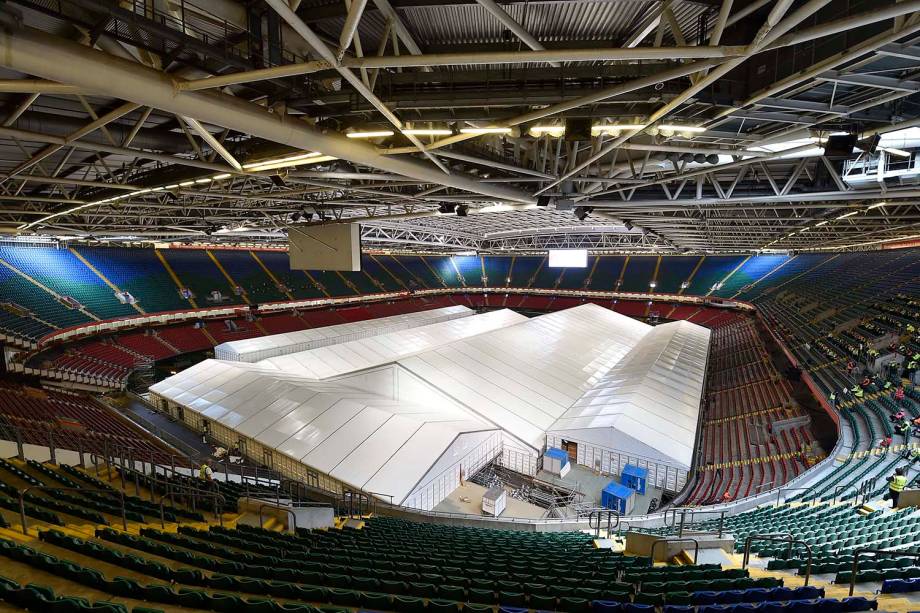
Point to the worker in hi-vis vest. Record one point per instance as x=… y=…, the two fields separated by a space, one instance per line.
x=896 y=485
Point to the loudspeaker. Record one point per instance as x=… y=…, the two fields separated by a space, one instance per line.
x=542 y=200
x=840 y=146
x=577 y=128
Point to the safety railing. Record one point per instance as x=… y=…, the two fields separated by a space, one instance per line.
x=219 y=502
x=693 y=512
x=269 y=505
x=696 y=547
x=784 y=537
x=859 y=552
x=22 y=501
x=599 y=514
x=779 y=492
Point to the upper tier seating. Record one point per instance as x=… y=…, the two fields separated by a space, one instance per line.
x=262 y=276
x=200 y=274
x=63 y=272
x=246 y=272
x=712 y=270
x=139 y=272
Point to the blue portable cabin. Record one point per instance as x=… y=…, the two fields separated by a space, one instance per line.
x=634 y=477
x=618 y=498
x=555 y=461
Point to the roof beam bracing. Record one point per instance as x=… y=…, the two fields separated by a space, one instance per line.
x=32 y=52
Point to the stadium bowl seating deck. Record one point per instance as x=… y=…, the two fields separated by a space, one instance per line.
x=383 y=564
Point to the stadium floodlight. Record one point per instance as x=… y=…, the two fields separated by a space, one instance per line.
x=877 y=205
x=286 y=162
x=369 y=133
x=614 y=129
x=821 y=223
x=551 y=131
x=486 y=130
x=850 y=214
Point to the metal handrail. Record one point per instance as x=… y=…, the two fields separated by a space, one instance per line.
x=780 y=491
x=693 y=512
x=219 y=501
x=22 y=501
x=610 y=513
x=858 y=552
x=277 y=506
x=781 y=537
x=696 y=547
x=837 y=490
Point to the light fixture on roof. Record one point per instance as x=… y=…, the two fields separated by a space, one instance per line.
x=369 y=133
x=821 y=223
x=553 y=131
x=653 y=284
x=877 y=205
x=898 y=152
x=220 y=177
x=582 y=212
x=614 y=129
x=850 y=214
x=486 y=130
x=288 y=161
x=670 y=129
x=411 y=130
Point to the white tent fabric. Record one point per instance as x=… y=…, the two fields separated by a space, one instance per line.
x=365 y=440
x=523 y=377
x=404 y=412
x=264 y=347
x=343 y=358
x=649 y=403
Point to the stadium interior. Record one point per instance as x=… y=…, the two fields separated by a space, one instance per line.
x=460 y=306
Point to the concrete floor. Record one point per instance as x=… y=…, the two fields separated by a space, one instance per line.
x=473 y=492
x=584 y=480
x=165 y=425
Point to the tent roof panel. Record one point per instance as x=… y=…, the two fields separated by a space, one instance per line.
x=261 y=347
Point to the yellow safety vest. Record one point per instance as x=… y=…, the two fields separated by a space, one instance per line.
x=898 y=483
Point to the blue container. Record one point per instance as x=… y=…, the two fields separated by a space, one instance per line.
x=618 y=498
x=634 y=477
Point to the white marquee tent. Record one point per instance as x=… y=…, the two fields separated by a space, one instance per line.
x=333 y=434
x=524 y=377
x=263 y=347
x=646 y=407
x=343 y=358
x=399 y=413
